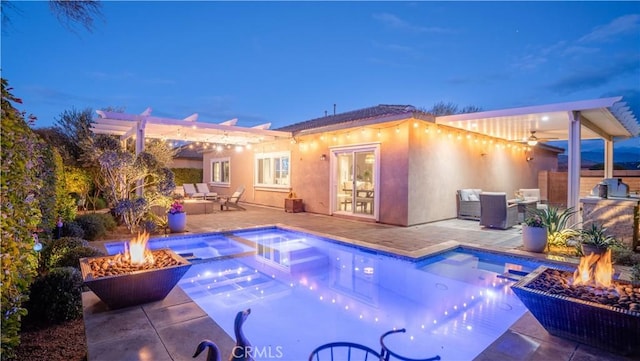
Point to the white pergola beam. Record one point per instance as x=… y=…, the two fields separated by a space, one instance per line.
x=192 y=118
x=125 y=125
x=594 y=128
x=230 y=122
x=129 y=133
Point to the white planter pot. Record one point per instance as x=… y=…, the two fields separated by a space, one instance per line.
x=534 y=239
x=177 y=221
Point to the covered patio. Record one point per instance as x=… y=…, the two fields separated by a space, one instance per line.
x=609 y=119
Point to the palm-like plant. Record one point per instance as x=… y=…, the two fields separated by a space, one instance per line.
x=557 y=223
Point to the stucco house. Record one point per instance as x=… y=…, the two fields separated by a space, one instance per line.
x=387 y=163
x=392 y=164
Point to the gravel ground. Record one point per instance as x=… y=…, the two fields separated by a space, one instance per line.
x=63 y=342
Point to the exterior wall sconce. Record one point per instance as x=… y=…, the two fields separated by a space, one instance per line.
x=529 y=159
x=323 y=157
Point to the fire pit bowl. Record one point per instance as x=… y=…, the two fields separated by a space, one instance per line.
x=134 y=287
x=614 y=329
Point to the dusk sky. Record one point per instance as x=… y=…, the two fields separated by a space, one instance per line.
x=285 y=62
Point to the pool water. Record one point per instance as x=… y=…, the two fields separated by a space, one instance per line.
x=199 y=247
x=305 y=291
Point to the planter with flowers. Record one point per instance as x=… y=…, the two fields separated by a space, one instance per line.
x=534 y=234
x=177 y=217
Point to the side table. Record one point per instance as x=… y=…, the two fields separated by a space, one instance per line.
x=293 y=205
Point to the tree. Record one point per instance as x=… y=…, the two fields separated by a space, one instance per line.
x=75 y=127
x=161 y=150
x=442 y=108
x=55 y=138
x=69 y=12
x=73 y=12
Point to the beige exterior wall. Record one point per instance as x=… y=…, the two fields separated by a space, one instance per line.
x=186 y=163
x=443 y=162
x=419 y=171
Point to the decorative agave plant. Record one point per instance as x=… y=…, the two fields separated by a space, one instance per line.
x=596 y=236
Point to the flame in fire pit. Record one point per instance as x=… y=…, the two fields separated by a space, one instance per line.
x=599 y=275
x=137 y=251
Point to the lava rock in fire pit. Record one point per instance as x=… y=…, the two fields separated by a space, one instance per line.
x=618 y=295
x=121 y=264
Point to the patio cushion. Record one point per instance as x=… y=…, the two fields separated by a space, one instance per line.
x=466 y=194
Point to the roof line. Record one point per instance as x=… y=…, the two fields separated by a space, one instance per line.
x=547 y=108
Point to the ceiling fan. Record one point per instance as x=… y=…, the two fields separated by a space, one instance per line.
x=533 y=140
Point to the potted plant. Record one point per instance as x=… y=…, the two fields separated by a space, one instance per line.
x=595 y=240
x=534 y=234
x=177 y=217
x=556 y=223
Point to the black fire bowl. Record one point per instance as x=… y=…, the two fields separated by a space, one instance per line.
x=613 y=329
x=137 y=287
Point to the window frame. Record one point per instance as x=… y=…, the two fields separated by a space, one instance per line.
x=272 y=156
x=221 y=160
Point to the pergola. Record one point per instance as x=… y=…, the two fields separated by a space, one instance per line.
x=609 y=119
x=144 y=125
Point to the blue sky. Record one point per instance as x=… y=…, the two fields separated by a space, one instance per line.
x=285 y=62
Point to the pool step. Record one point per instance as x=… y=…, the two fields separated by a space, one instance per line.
x=513 y=275
x=189 y=256
x=308 y=263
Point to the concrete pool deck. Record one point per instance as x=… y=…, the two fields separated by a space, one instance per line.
x=170 y=329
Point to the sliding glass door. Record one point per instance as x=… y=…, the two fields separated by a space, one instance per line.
x=354 y=186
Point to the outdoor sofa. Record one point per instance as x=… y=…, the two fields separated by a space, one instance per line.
x=469 y=203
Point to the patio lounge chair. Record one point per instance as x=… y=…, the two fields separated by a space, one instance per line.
x=495 y=212
x=204 y=189
x=191 y=192
x=231 y=201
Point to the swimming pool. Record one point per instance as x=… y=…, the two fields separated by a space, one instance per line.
x=305 y=291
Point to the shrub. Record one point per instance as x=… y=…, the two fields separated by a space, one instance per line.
x=19 y=206
x=72 y=257
x=149 y=226
x=93 y=226
x=187 y=175
x=56 y=296
x=624 y=256
x=72 y=229
x=98 y=203
x=635 y=273
x=108 y=221
x=57 y=249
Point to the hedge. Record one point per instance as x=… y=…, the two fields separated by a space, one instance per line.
x=19 y=187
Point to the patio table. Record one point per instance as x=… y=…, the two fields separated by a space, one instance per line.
x=523 y=206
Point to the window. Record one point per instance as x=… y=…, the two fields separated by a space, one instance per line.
x=220 y=171
x=272 y=169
